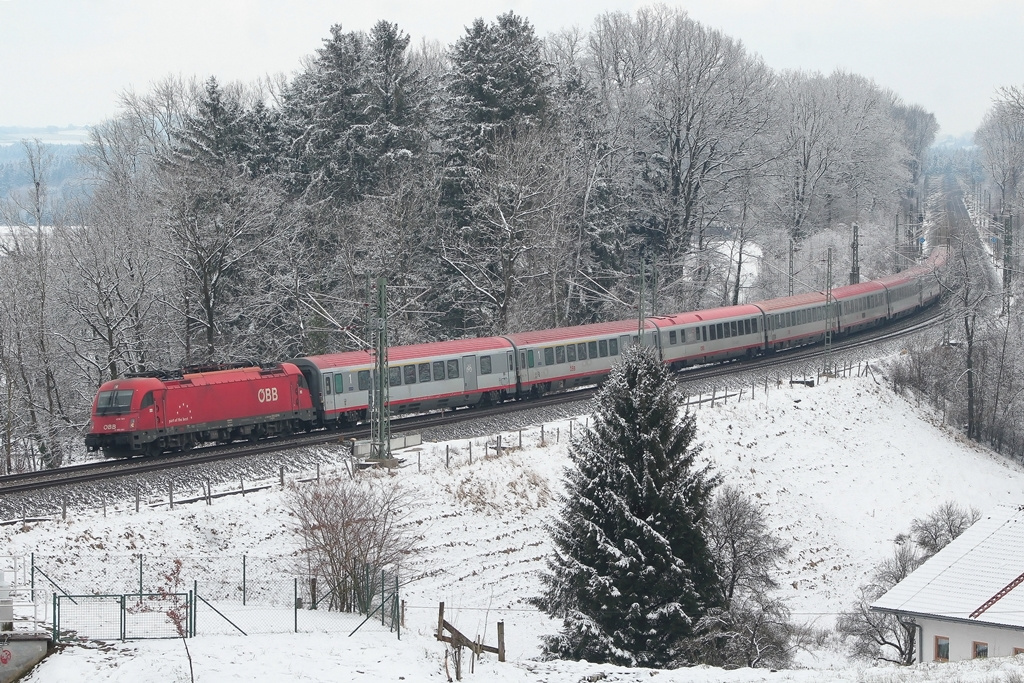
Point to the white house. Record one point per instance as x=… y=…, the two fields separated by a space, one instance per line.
x=968 y=600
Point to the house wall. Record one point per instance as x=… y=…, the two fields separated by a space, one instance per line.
x=1001 y=641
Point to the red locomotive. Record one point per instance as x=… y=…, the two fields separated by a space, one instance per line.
x=150 y=414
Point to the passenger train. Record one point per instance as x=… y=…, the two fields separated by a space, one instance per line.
x=152 y=414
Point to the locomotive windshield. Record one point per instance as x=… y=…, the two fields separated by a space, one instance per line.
x=114 y=402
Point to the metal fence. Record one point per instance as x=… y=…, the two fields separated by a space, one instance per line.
x=122 y=617
x=116 y=597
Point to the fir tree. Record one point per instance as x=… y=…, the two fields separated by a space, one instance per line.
x=632 y=573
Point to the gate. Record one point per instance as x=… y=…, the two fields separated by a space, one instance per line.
x=122 y=617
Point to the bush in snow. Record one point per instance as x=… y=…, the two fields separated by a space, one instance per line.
x=632 y=572
x=350 y=530
x=752 y=627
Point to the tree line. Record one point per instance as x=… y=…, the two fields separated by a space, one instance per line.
x=974 y=377
x=502 y=183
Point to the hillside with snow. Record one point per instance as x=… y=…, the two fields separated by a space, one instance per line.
x=841 y=469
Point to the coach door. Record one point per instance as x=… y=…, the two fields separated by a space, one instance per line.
x=327 y=391
x=469 y=372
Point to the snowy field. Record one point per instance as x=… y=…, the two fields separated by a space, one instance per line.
x=841 y=468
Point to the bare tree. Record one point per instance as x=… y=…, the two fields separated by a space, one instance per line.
x=351 y=531
x=885 y=636
x=934 y=532
x=753 y=627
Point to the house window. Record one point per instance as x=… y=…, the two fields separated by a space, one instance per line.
x=941 y=649
x=980 y=650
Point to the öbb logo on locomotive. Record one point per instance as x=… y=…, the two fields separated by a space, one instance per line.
x=268 y=395
x=174 y=411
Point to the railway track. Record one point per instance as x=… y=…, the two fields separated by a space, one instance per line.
x=93 y=472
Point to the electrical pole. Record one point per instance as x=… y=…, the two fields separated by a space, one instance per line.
x=829 y=305
x=640 y=311
x=1007 y=260
x=791 y=266
x=380 y=405
x=896 y=246
x=855 y=267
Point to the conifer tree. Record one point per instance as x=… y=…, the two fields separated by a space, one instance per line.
x=632 y=573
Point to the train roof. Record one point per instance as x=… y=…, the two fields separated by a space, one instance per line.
x=897 y=279
x=720 y=313
x=785 y=303
x=199 y=378
x=562 y=334
x=847 y=291
x=400 y=354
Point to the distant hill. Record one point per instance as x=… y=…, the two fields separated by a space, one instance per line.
x=51 y=135
x=66 y=174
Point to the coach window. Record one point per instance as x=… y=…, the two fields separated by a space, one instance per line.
x=395 y=377
x=719 y=331
x=559 y=354
x=327 y=384
x=581 y=350
x=438 y=366
x=753 y=325
x=424 y=372
x=529 y=357
x=941 y=649
x=746 y=326
x=613 y=347
x=732 y=327
x=339 y=383
x=602 y=347
x=592 y=349
x=485 y=365
x=712 y=336
x=672 y=337
x=363 y=380
x=453 y=369
x=570 y=353
x=979 y=649
x=410 y=374
x=549 y=356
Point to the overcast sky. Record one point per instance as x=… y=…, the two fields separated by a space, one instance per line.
x=64 y=62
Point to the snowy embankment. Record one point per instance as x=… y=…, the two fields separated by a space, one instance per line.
x=841 y=469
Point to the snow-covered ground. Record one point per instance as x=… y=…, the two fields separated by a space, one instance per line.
x=841 y=469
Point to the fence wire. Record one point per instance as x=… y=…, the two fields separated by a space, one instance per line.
x=111 y=596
